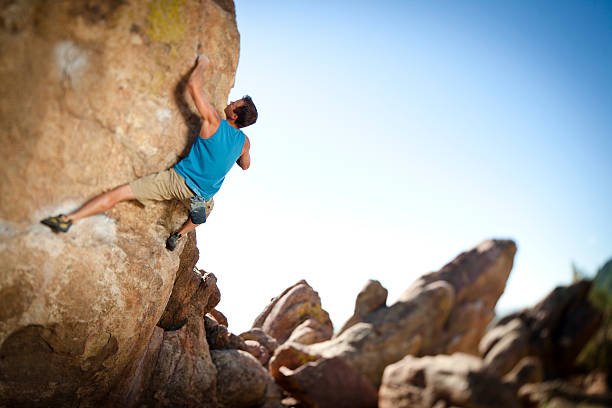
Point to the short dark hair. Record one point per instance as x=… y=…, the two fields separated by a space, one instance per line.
x=247 y=113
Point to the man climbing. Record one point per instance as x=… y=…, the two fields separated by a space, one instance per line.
x=197 y=177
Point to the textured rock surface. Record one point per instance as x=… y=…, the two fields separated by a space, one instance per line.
x=92 y=98
x=420 y=322
x=298 y=309
x=328 y=383
x=443 y=381
x=176 y=370
x=554 y=331
x=195 y=293
x=242 y=382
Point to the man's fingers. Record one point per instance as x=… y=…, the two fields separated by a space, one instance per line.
x=202 y=59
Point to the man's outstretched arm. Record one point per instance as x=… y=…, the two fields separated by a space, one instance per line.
x=210 y=117
x=244 y=161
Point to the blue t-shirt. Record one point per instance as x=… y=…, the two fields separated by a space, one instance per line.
x=209 y=160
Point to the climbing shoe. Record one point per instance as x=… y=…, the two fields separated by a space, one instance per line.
x=58 y=224
x=172 y=241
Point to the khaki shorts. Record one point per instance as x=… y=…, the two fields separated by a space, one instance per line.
x=162 y=186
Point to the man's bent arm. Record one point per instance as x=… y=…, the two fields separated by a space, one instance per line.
x=244 y=161
x=195 y=85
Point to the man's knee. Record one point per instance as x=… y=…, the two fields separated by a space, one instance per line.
x=121 y=193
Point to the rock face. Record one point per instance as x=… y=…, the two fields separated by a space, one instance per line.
x=93 y=97
x=554 y=331
x=442 y=312
x=176 y=370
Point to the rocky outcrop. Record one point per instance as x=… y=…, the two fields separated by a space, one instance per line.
x=296 y=315
x=194 y=292
x=554 y=331
x=422 y=322
x=93 y=97
x=372 y=297
x=176 y=370
x=458 y=380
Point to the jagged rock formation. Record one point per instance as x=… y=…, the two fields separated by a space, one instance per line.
x=520 y=352
x=458 y=380
x=194 y=293
x=296 y=315
x=442 y=312
x=554 y=331
x=372 y=297
x=93 y=97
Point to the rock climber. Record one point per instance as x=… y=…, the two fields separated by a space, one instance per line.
x=197 y=177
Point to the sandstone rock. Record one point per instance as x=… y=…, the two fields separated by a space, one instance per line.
x=296 y=305
x=194 y=292
x=372 y=297
x=176 y=370
x=555 y=331
x=456 y=380
x=328 y=383
x=478 y=278
x=421 y=322
x=219 y=338
x=242 y=382
x=309 y=331
x=92 y=97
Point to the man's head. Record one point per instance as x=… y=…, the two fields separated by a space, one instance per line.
x=243 y=112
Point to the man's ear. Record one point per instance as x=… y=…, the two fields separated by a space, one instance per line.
x=233 y=116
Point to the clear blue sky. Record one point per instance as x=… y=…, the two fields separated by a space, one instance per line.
x=394 y=135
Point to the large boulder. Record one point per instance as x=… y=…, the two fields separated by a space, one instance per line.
x=323 y=383
x=297 y=315
x=92 y=97
x=422 y=322
x=555 y=331
x=242 y=382
x=458 y=380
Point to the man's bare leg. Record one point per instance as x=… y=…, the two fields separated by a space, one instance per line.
x=97 y=205
x=103 y=202
x=187 y=227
